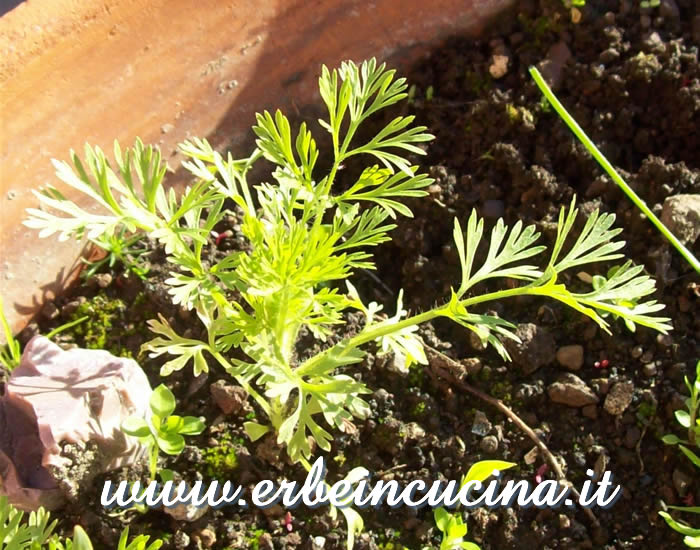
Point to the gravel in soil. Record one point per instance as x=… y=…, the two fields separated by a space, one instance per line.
x=631 y=78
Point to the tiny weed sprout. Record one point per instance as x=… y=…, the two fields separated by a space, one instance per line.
x=119 y=248
x=10 y=353
x=451 y=524
x=304 y=241
x=689 y=420
x=163 y=431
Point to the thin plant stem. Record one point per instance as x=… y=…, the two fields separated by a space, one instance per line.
x=610 y=169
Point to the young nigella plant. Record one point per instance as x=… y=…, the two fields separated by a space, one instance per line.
x=305 y=239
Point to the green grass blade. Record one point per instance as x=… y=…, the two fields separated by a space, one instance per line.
x=616 y=177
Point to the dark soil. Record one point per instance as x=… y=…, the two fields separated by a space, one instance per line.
x=633 y=82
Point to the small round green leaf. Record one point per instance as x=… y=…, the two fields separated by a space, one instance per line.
x=192 y=425
x=683 y=418
x=171 y=444
x=162 y=401
x=172 y=424
x=136 y=426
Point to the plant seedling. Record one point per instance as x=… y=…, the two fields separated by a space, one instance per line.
x=305 y=240
x=451 y=524
x=689 y=420
x=119 y=248
x=11 y=353
x=163 y=431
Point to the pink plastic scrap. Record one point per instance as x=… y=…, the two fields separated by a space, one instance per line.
x=56 y=397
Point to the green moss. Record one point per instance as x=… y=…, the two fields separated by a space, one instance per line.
x=340 y=459
x=220 y=460
x=419 y=409
x=502 y=391
x=102 y=313
x=539 y=28
x=416 y=375
x=254 y=539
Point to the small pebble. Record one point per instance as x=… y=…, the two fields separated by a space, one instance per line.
x=590 y=331
x=180 y=540
x=572 y=391
x=664 y=340
x=681 y=214
x=207 y=537
x=71 y=307
x=619 y=398
x=49 y=311
x=229 y=398
x=681 y=482
x=609 y=55
x=481 y=424
x=649 y=370
x=103 y=280
x=489 y=444
x=570 y=357
x=265 y=542
x=499 y=65
x=636 y=352
x=473 y=365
